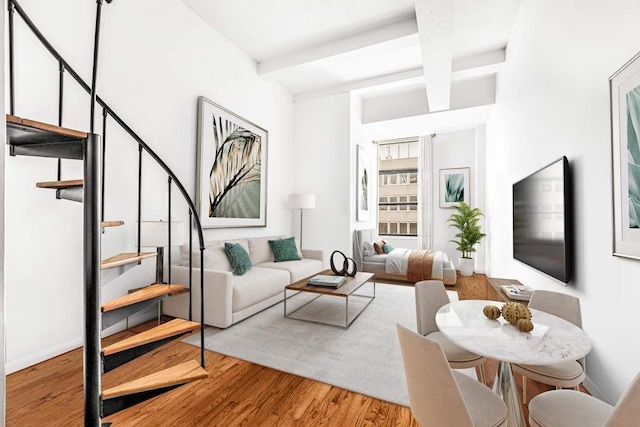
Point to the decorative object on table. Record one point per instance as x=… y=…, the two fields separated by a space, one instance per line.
x=302 y=202
x=624 y=88
x=514 y=311
x=327 y=281
x=161 y=234
x=232 y=169
x=363 y=193
x=348 y=265
x=454 y=187
x=491 y=311
x=466 y=220
x=525 y=325
x=517 y=291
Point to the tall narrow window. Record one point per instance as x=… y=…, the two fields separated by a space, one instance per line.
x=398 y=187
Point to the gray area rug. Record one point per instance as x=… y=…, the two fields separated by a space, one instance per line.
x=364 y=358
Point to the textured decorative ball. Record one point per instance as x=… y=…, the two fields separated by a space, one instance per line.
x=514 y=311
x=525 y=325
x=491 y=311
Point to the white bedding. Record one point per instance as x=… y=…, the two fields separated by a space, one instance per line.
x=398 y=261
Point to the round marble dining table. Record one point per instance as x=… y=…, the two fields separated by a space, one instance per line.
x=552 y=340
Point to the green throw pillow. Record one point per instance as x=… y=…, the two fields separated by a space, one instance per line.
x=387 y=248
x=284 y=250
x=238 y=257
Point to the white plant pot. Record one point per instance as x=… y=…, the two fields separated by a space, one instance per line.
x=466 y=266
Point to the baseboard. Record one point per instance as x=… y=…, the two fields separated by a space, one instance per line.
x=595 y=391
x=41 y=356
x=51 y=352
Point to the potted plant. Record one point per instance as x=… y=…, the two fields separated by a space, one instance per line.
x=466 y=219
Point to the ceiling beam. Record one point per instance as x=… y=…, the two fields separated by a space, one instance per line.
x=435 y=31
x=400 y=32
x=480 y=65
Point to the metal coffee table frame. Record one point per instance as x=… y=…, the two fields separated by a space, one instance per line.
x=328 y=292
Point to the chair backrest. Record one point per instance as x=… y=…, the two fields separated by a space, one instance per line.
x=430 y=296
x=562 y=305
x=434 y=396
x=627 y=410
x=565 y=306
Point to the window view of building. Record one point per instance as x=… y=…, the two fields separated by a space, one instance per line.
x=398 y=187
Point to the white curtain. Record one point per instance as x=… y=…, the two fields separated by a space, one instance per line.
x=425 y=188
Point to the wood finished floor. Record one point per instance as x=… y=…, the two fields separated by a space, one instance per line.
x=237 y=393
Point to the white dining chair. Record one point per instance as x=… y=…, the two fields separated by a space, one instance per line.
x=439 y=396
x=561 y=408
x=430 y=296
x=569 y=374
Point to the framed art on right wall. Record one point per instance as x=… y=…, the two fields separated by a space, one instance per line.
x=454 y=187
x=624 y=88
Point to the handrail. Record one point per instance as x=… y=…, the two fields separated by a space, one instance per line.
x=113 y=114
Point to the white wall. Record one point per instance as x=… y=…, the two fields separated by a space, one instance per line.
x=361 y=137
x=155 y=62
x=322 y=155
x=455 y=150
x=553 y=100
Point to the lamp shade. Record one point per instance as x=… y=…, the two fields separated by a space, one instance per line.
x=302 y=201
x=156 y=233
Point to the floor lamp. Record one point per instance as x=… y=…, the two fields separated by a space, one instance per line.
x=302 y=202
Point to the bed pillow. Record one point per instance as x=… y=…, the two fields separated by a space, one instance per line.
x=367 y=249
x=238 y=257
x=284 y=250
x=378 y=246
x=387 y=247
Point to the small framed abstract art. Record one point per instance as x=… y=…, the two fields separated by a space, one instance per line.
x=232 y=169
x=454 y=187
x=363 y=180
x=624 y=88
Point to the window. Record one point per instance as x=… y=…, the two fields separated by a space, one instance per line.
x=398 y=187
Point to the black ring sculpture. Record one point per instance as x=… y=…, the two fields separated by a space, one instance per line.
x=345 y=265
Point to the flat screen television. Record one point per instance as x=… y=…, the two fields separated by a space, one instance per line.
x=542 y=220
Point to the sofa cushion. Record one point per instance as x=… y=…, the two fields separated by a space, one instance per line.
x=238 y=257
x=284 y=250
x=298 y=270
x=257 y=285
x=259 y=249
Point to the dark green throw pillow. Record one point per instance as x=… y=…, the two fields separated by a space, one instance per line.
x=387 y=248
x=284 y=250
x=238 y=257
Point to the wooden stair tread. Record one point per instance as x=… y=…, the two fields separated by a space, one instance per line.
x=111 y=223
x=126 y=258
x=143 y=294
x=180 y=374
x=166 y=330
x=46 y=127
x=57 y=185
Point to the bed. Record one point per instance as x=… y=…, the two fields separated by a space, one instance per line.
x=401 y=264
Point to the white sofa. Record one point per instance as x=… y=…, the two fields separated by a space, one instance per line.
x=229 y=298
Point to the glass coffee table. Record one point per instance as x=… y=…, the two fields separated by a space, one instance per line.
x=345 y=291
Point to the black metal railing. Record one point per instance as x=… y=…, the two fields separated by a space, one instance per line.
x=91 y=221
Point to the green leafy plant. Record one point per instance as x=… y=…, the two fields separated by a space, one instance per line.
x=466 y=219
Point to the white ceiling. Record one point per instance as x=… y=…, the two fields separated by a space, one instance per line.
x=318 y=47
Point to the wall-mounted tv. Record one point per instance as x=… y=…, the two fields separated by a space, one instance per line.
x=542 y=220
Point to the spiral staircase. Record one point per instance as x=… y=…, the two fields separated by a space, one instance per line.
x=27 y=137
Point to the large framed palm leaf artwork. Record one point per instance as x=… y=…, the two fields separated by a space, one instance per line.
x=232 y=169
x=625 y=146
